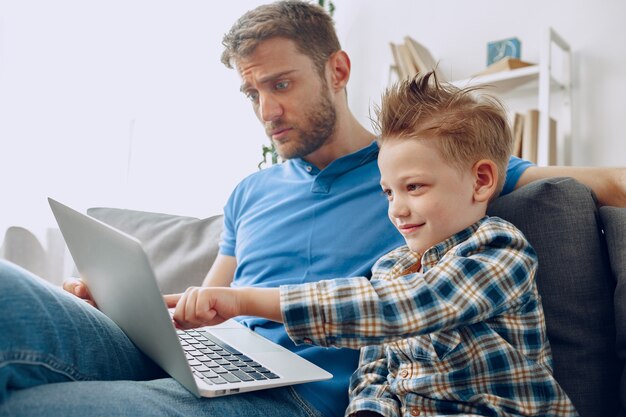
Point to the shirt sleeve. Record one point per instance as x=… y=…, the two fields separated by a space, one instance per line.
x=489 y=273
x=514 y=171
x=369 y=387
x=228 y=237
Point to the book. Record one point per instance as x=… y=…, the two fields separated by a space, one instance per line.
x=505 y=64
x=405 y=57
x=552 y=157
x=518 y=131
x=400 y=64
x=530 y=135
x=421 y=56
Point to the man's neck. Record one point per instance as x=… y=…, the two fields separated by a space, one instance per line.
x=349 y=137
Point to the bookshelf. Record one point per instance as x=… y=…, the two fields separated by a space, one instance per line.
x=541 y=80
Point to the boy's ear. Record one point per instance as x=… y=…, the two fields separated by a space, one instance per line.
x=485 y=174
x=339 y=66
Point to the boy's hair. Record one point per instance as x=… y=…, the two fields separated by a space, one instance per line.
x=465 y=127
x=308 y=25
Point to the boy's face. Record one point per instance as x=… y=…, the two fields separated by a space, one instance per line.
x=429 y=200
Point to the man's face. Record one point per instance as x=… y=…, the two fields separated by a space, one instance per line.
x=288 y=96
x=429 y=200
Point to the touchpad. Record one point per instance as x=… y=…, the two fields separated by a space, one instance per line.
x=245 y=340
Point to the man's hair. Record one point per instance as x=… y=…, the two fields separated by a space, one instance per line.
x=307 y=24
x=466 y=127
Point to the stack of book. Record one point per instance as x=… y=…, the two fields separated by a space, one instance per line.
x=411 y=58
x=526 y=134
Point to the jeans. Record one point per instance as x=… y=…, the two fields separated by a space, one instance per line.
x=61 y=357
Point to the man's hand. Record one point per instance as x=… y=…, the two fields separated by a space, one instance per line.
x=208 y=306
x=78 y=287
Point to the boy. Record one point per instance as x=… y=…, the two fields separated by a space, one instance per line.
x=452 y=322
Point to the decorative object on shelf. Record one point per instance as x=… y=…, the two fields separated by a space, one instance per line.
x=497 y=50
x=268 y=152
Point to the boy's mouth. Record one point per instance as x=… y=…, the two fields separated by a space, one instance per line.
x=407 y=229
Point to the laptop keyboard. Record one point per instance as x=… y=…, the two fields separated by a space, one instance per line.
x=217 y=363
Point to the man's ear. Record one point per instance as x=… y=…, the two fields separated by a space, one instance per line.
x=485 y=174
x=339 y=69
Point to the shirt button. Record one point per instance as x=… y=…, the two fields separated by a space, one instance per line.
x=309 y=168
x=404 y=373
x=415 y=411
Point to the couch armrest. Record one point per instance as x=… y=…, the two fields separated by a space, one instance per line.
x=614 y=222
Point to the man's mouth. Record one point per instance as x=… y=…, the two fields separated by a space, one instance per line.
x=279 y=134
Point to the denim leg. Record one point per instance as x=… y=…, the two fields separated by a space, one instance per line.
x=49 y=336
x=157 y=398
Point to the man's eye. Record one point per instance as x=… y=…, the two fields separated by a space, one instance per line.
x=281 y=85
x=252 y=96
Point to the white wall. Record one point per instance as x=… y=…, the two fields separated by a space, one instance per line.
x=120 y=103
x=124 y=102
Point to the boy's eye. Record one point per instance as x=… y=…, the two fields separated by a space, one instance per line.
x=387 y=193
x=413 y=187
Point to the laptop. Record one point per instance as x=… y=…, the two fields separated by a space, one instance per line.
x=210 y=361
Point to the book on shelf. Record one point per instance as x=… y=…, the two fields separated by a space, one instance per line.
x=525 y=130
x=412 y=58
x=552 y=143
x=505 y=64
x=422 y=58
x=400 y=62
x=530 y=135
x=518 y=129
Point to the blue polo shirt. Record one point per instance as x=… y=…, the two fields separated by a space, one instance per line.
x=293 y=223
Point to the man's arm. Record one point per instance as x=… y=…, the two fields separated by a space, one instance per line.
x=222 y=272
x=608 y=184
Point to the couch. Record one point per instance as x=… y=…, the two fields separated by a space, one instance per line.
x=581 y=276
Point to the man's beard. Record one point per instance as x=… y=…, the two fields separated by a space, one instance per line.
x=319 y=127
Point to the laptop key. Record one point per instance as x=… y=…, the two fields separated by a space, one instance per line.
x=230 y=378
x=201 y=368
x=242 y=375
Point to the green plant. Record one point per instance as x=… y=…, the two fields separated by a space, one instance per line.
x=269 y=151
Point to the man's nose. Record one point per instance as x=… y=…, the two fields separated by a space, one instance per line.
x=270 y=109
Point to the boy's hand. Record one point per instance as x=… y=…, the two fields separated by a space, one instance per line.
x=204 y=306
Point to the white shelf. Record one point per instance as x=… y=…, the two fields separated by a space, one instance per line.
x=502 y=81
x=542 y=78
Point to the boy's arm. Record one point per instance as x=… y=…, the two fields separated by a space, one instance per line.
x=369 y=388
x=487 y=274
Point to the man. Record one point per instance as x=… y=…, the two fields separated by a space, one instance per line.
x=316 y=216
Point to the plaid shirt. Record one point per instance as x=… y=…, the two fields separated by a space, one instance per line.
x=465 y=335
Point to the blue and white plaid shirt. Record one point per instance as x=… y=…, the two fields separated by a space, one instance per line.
x=457 y=331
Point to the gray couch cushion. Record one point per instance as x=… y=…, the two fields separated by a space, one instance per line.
x=560 y=219
x=614 y=221
x=181 y=249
